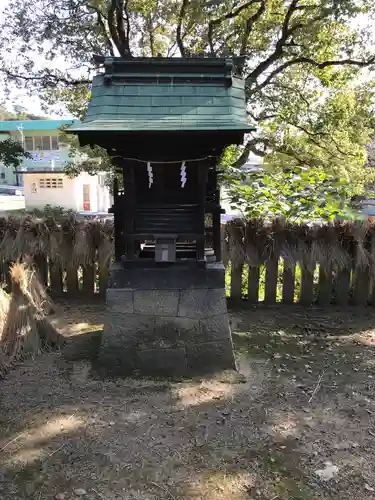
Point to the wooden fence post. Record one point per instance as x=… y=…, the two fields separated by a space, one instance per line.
x=103 y=279
x=253 y=284
x=56 y=278
x=72 y=280
x=325 y=286
x=89 y=279
x=236 y=282
x=361 y=286
x=307 y=286
x=41 y=265
x=289 y=274
x=270 y=287
x=342 y=287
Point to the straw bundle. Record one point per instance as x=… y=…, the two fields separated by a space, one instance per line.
x=63 y=240
x=334 y=246
x=25 y=329
x=105 y=244
x=252 y=245
x=235 y=231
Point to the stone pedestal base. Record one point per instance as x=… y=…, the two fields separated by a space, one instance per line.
x=166 y=321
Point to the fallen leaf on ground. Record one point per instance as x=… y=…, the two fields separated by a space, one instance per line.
x=328 y=472
x=80 y=492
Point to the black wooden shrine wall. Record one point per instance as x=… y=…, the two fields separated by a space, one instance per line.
x=166 y=185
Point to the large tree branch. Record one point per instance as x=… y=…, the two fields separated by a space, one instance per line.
x=320 y=65
x=293 y=7
x=120 y=23
x=124 y=36
x=112 y=10
x=228 y=15
x=151 y=34
x=48 y=80
x=293 y=154
x=273 y=74
x=342 y=62
x=179 y=37
x=251 y=147
x=122 y=7
x=286 y=31
x=262 y=117
x=105 y=33
x=292 y=90
x=312 y=136
x=250 y=24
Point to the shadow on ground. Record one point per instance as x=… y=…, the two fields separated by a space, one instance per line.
x=305 y=397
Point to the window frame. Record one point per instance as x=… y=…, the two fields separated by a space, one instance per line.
x=41 y=139
x=51 y=183
x=28 y=138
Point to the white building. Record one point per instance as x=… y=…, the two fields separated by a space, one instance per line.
x=84 y=193
x=42 y=175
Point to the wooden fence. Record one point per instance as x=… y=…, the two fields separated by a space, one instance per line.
x=72 y=256
x=70 y=281
x=275 y=262
x=333 y=264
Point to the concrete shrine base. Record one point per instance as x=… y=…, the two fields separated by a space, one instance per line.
x=169 y=321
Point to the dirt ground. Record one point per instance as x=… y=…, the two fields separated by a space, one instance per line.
x=297 y=423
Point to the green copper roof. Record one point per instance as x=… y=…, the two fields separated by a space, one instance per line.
x=166 y=95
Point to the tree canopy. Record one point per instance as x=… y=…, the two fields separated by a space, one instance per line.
x=295 y=193
x=12 y=153
x=302 y=61
x=19 y=113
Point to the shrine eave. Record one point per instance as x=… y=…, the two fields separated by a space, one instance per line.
x=164 y=125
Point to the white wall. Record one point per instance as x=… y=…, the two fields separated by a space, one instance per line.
x=70 y=196
x=99 y=195
x=62 y=197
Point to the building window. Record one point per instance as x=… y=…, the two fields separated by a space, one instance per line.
x=46 y=143
x=38 y=143
x=54 y=142
x=41 y=143
x=29 y=145
x=53 y=183
x=2 y=175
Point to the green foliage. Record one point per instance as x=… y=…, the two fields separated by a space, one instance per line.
x=294 y=193
x=88 y=159
x=332 y=136
x=51 y=212
x=20 y=113
x=92 y=160
x=12 y=153
x=301 y=59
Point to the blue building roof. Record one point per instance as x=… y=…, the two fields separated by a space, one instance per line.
x=31 y=125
